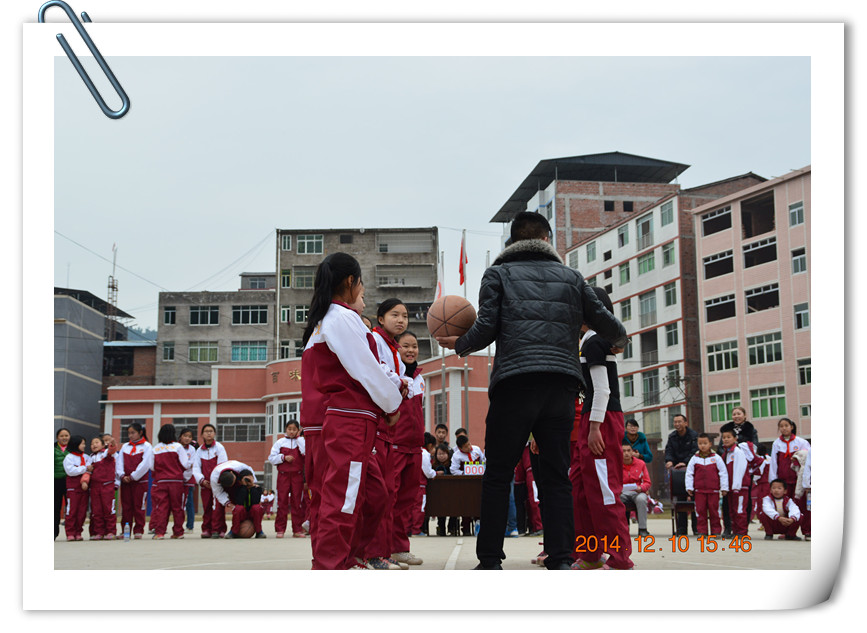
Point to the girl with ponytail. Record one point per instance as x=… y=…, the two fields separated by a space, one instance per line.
x=344 y=393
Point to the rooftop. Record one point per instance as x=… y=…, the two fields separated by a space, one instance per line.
x=89 y=299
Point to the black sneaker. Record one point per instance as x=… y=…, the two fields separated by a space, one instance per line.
x=643 y=533
x=793 y=538
x=261 y=535
x=230 y=534
x=480 y=566
x=769 y=537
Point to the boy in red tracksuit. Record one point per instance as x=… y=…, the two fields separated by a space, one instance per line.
x=707 y=477
x=103 y=482
x=169 y=460
x=208 y=456
x=235 y=487
x=736 y=462
x=132 y=462
x=780 y=514
x=78 y=467
x=524 y=477
x=636 y=483
x=287 y=455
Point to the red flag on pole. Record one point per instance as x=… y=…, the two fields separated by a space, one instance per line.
x=464 y=260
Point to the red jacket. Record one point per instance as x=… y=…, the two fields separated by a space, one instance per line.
x=637 y=473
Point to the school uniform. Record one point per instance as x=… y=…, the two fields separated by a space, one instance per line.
x=419 y=521
x=406 y=440
x=736 y=461
x=459 y=458
x=205 y=459
x=75 y=465
x=761 y=484
x=103 y=483
x=268 y=502
x=597 y=480
x=168 y=462
x=342 y=377
x=290 y=483
x=781 y=461
x=190 y=488
x=773 y=509
x=132 y=461
x=524 y=477
x=706 y=477
x=241 y=512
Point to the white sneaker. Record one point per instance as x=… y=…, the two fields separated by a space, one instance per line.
x=306 y=526
x=513 y=533
x=407 y=557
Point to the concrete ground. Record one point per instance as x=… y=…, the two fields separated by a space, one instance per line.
x=439 y=553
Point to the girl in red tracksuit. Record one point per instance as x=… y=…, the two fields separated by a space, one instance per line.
x=782 y=450
x=407 y=438
x=169 y=460
x=343 y=382
x=103 y=482
x=524 y=477
x=78 y=467
x=737 y=463
x=706 y=478
x=287 y=455
x=132 y=462
x=208 y=455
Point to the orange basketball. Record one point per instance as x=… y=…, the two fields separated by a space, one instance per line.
x=246 y=530
x=450 y=315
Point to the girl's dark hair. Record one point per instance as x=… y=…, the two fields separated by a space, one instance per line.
x=387 y=305
x=293 y=423
x=209 y=425
x=187 y=429
x=56 y=435
x=166 y=434
x=603 y=297
x=404 y=333
x=75 y=442
x=139 y=428
x=429 y=439
x=794 y=426
x=331 y=272
x=443 y=447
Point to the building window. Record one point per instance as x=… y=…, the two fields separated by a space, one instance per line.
x=757 y=215
x=716 y=221
x=722 y=356
x=628 y=387
x=718 y=264
x=760 y=252
x=804 y=371
x=668 y=254
x=670 y=291
x=805 y=410
x=249 y=351
x=285 y=311
x=624 y=273
x=627 y=206
x=241 y=429
x=591 y=281
x=671 y=334
x=672 y=376
x=608 y=205
x=763 y=298
x=247 y=315
x=796 y=213
x=285 y=278
x=609 y=288
x=647 y=308
x=204 y=315
x=591 y=252
x=799 y=261
x=719 y=308
x=572 y=259
x=606 y=256
x=802 y=316
x=286 y=242
x=405 y=242
x=286 y=348
x=406 y=275
x=169 y=315
x=258 y=283
x=650 y=387
x=286 y=411
x=666 y=213
x=309 y=245
x=269 y=418
x=768 y=402
x=198 y=383
x=304 y=276
x=645 y=231
x=168 y=351
x=627 y=351
x=722 y=405
x=645 y=263
x=607 y=274
x=301 y=314
x=203 y=352
x=765 y=348
x=626 y=310
x=346 y=238
x=623 y=235
x=440 y=409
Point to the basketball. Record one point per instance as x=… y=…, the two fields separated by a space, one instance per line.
x=450 y=315
x=246 y=530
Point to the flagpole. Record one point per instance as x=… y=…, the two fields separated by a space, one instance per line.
x=443 y=401
x=464 y=258
x=488 y=265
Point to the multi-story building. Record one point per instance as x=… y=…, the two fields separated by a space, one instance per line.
x=646 y=264
x=753 y=254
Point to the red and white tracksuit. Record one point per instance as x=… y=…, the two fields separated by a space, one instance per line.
x=103 y=483
x=761 y=484
x=75 y=465
x=426 y=472
x=290 y=483
x=706 y=477
x=189 y=479
x=773 y=509
x=133 y=461
x=459 y=458
x=205 y=460
x=407 y=438
x=168 y=462
x=781 y=468
x=524 y=475
x=221 y=496
x=739 y=483
x=268 y=502
x=343 y=379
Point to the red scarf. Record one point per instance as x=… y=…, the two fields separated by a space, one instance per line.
x=81 y=455
x=392 y=344
x=136 y=443
x=789 y=452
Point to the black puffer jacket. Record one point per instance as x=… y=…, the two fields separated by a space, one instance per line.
x=533 y=306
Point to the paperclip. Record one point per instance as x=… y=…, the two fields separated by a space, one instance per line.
x=112 y=114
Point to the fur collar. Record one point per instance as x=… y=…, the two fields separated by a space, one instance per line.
x=524 y=250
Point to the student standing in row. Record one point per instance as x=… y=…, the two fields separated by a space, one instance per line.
x=103 y=483
x=186 y=441
x=168 y=461
x=61 y=442
x=736 y=461
x=77 y=465
x=706 y=479
x=133 y=461
x=208 y=456
x=287 y=455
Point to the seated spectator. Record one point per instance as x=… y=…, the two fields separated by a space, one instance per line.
x=780 y=514
x=466 y=452
x=638 y=442
x=442 y=464
x=636 y=484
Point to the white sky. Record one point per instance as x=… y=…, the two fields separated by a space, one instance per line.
x=216 y=153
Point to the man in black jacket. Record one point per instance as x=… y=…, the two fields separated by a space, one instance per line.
x=533 y=307
x=682 y=444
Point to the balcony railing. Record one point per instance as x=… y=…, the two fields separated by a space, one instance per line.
x=645 y=241
x=647 y=318
x=649 y=358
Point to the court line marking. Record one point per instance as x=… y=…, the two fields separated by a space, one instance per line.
x=453 y=558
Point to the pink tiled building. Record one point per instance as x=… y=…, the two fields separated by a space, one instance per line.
x=753 y=268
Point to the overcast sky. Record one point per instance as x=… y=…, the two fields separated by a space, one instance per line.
x=216 y=153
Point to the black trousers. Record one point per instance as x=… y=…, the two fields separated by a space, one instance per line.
x=542 y=404
x=59 y=494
